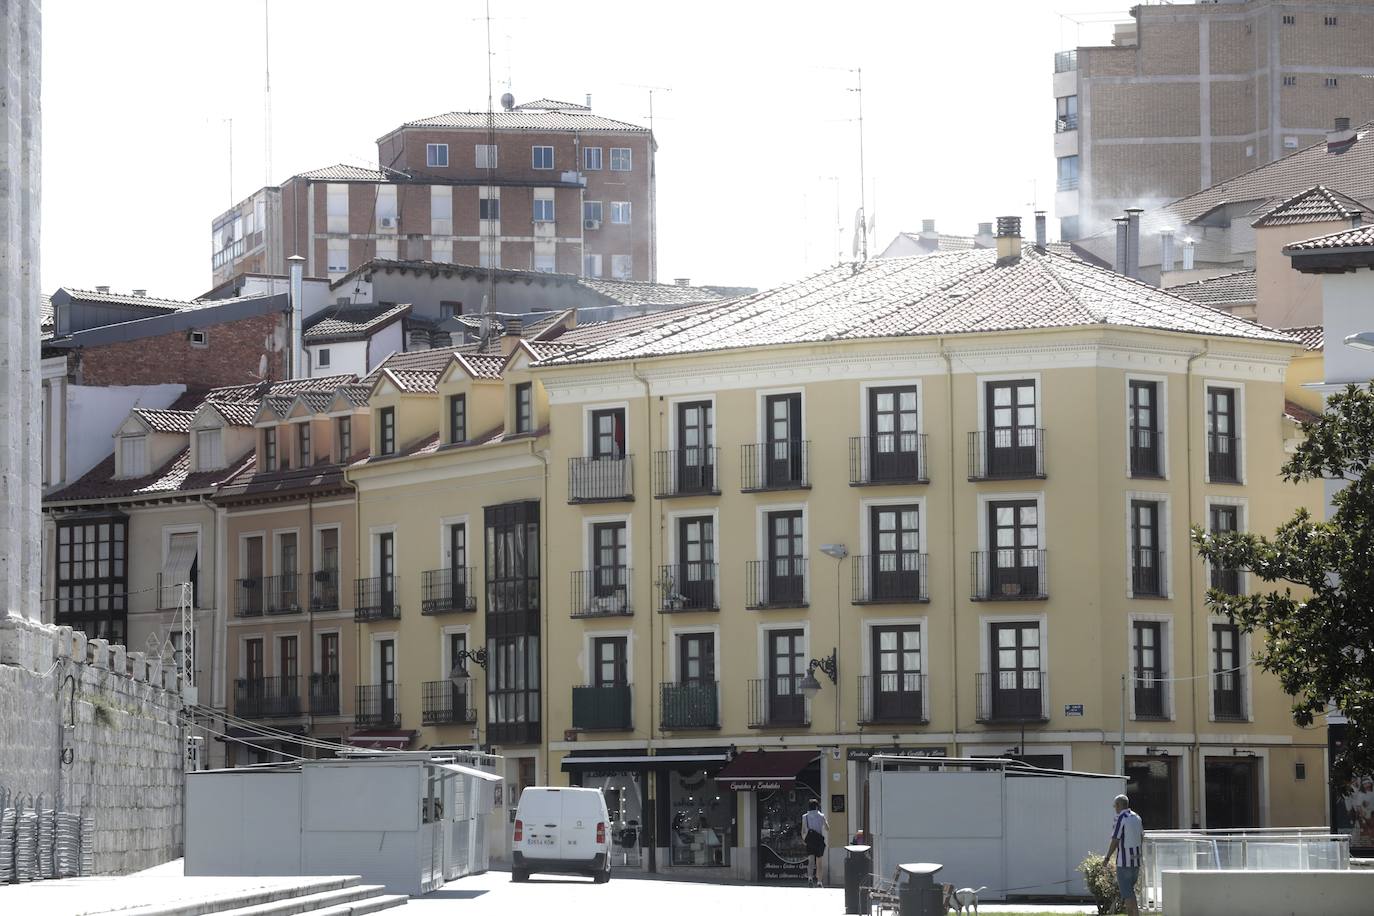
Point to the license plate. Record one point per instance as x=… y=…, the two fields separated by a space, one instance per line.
x=540 y=841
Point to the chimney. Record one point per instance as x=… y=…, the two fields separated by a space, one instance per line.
x=1119 y=262
x=1008 y=239
x=1040 y=229
x=442 y=340
x=1341 y=137
x=984 y=237
x=1133 y=242
x=103 y=290
x=418 y=339
x=140 y=293
x=1166 y=251
x=589 y=100
x=1187 y=253
x=683 y=281
x=510 y=337
x=927 y=227
x=297 y=270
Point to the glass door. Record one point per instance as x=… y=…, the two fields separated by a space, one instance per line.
x=696 y=562
x=386 y=671
x=893 y=453
x=458 y=564
x=1016 y=675
x=1015 y=555
x=1011 y=428
x=783 y=449
x=608 y=562
x=895 y=533
x=786 y=667
x=696 y=472
x=386 y=570
x=897 y=673
x=1144 y=441
x=786 y=562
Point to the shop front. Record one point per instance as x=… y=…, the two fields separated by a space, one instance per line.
x=778 y=787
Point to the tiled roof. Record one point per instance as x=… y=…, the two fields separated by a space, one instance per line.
x=146 y=302
x=291 y=387
x=342 y=172
x=238 y=413
x=165 y=421
x=445 y=267
x=356 y=394
x=352 y=323
x=1313 y=336
x=279 y=404
x=424 y=360
x=1318 y=204
x=960 y=292
x=598 y=332
x=174 y=476
x=416 y=380
x=550 y=105
x=583 y=121
x=1359 y=237
x=483 y=365
x=317 y=401
x=1239 y=286
x=45 y=316
x=642 y=292
x=1299 y=414
x=249 y=484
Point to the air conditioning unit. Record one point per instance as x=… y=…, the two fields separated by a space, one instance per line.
x=591 y=224
x=390 y=222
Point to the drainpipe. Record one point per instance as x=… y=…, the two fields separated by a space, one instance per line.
x=297 y=307
x=1195 y=769
x=309 y=584
x=544 y=627
x=651 y=808
x=953 y=559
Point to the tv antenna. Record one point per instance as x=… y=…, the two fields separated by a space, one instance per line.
x=266 y=93
x=863 y=199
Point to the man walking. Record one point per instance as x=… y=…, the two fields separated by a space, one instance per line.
x=814 y=828
x=1128 y=835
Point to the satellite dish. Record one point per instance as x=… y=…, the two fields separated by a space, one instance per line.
x=507 y=101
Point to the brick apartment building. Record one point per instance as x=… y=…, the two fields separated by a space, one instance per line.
x=543 y=186
x=1189 y=95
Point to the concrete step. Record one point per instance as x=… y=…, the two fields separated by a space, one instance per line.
x=362 y=907
x=230 y=901
x=344 y=900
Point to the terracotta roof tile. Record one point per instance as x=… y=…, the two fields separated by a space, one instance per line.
x=1313 y=336
x=1299 y=414
x=551 y=105
x=352 y=323
x=1359 y=237
x=581 y=121
x=173 y=477
x=238 y=413
x=1317 y=204
x=343 y=172
x=166 y=420
x=642 y=292
x=1239 y=286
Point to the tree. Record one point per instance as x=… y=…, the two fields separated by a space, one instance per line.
x=1320 y=645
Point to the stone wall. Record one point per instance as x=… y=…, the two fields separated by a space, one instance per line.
x=120 y=763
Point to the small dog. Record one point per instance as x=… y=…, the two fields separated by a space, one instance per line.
x=963 y=900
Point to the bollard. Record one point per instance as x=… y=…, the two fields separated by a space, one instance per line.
x=858 y=877
x=919 y=894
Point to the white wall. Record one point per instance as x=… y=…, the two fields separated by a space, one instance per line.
x=94 y=413
x=1348 y=307
x=390 y=339
x=344 y=357
x=1269 y=893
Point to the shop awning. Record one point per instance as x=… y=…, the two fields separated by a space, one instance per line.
x=382 y=740
x=764 y=769
x=469 y=771
x=641 y=761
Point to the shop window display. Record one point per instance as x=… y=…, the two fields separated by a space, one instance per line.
x=624 y=796
x=702 y=819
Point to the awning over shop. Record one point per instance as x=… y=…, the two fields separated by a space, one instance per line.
x=764 y=769
x=469 y=771
x=641 y=761
x=382 y=740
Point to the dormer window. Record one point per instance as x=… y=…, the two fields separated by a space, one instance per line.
x=345 y=438
x=303 y=445
x=209 y=449
x=457 y=418
x=269 y=449
x=386 y=421
x=524 y=408
x=133 y=456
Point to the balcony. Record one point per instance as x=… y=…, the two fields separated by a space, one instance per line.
x=890 y=579
x=1223 y=458
x=1005 y=454
x=1065 y=123
x=687 y=472
x=777 y=702
x=775 y=583
x=1147 y=573
x=1228 y=697
x=1226 y=580
x=1009 y=574
x=447 y=591
x=601 y=708
x=281 y=594
x=688 y=587
x=689 y=705
x=324 y=694
x=895 y=697
x=1013 y=696
x=1146 y=452
x=599 y=480
x=375 y=706
x=782 y=465
x=324 y=591
x=444 y=703
x=376 y=598
x=887 y=458
x=248 y=597
x=503 y=733
x=1151 y=694
x=1064 y=61
x=602 y=592
x=267 y=697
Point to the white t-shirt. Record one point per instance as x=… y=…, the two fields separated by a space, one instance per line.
x=813 y=820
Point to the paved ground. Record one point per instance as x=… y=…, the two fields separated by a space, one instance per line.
x=106 y=894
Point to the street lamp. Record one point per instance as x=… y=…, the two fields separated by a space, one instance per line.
x=1362 y=340
x=459 y=676
x=809 y=686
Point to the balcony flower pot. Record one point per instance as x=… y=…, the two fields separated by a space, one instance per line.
x=1011 y=589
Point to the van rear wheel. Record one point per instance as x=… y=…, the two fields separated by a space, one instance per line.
x=602 y=877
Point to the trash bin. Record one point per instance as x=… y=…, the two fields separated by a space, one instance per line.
x=919 y=894
x=858 y=875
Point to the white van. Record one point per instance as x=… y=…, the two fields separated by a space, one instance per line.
x=561 y=831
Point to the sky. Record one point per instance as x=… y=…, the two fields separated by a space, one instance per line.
x=154 y=115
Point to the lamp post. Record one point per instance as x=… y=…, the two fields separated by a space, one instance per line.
x=459 y=676
x=809 y=686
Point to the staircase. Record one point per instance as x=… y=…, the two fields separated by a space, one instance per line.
x=327 y=896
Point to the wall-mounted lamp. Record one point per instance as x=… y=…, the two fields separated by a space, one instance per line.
x=838 y=551
x=459 y=676
x=809 y=686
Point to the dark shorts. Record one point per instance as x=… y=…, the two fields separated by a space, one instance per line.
x=1125 y=880
x=815 y=843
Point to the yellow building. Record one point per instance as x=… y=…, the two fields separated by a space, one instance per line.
x=933 y=506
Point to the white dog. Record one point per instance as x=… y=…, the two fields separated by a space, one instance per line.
x=963 y=900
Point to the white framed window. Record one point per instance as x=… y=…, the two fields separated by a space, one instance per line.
x=440 y=210
x=591 y=265
x=485 y=156
x=337 y=257
x=209 y=449
x=591 y=158
x=591 y=214
x=322 y=358
x=541 y=157
x=622 y=266
x=545 y=263
x=620 y=212
x=436 y=155
x=620 y=159
x=336 y=208
x=133 y=456
x=441 y=250
x=543 y=210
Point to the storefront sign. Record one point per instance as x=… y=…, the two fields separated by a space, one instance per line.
x=863 y=753
x=1073 y=709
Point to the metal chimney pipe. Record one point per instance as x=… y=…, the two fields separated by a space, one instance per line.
x=1119 y=262
x=1133 y=242
x=1040 y=229
x=1187 y=253
x=1166 y=250
x=297 y=296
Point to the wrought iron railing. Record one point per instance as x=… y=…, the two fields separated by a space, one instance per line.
x=1151 y=694
x=775 y=583
x=445 y=591
x=777 y=702
x=1147 y=573
x=445 y=703
x=1228 y=696
x=375 y=706
x=281 y=594
x=248 y=597
x=1009 y=574
x=324 y=694
x=377 y=598
x=691 y=705
x=1065 y=123
x=606 y=591
x=688 y=587
x=1013 y=696
x=267 y=697
x=781 y=465
x=324 y=590
x=890 y=578
x=1223 y=458
x=893 y=697
x=600 y=479
x=887 y=458
x=1006 y=454
x=686 y=472
x=1226 y=580
x=1146 y=452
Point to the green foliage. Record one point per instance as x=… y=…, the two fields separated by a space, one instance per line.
x=1100 y=876
x=1321 y=647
